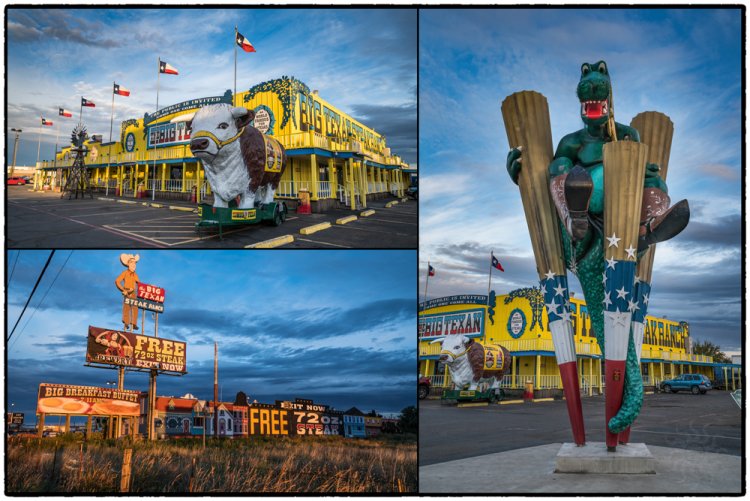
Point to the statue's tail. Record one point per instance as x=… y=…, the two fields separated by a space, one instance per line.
x=632 y=396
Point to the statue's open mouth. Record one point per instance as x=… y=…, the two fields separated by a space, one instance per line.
x=594 y=109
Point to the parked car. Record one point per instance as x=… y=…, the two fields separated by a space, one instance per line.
x=412 y=192
x=694 y=383
x=16 y=180
x=424 y=387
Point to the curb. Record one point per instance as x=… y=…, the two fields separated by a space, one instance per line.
x=368 y=212
x=473 y=404
x=504 y=402
x=309 y=230
x=106 y=199
x=183 y=209
x=391 y=204
x=346 y=219
x=543 y=400
x=271 y=243
x=127 y=202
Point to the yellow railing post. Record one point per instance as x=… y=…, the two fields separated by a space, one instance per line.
x=184 y=168
x=314 y=177
x=538 y=372
x=363 y=184
x=350 y=179
x=513 y=371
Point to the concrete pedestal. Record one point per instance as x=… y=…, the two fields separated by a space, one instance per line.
x=594 y=458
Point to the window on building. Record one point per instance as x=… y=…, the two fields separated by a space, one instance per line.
x=198 y=422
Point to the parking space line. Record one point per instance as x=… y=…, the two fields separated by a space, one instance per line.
x=323 y=243
x=391 y=221
x=107 y=213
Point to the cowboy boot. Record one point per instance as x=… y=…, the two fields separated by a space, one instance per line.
x=659 y=222
x=571 y=193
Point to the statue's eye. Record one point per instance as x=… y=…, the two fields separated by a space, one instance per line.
x=585 y=69
x=223 y=125
x=602 y=68
x=457 y=347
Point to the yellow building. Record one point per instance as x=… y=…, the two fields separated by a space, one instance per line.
x=518 y=321
x=332 y=156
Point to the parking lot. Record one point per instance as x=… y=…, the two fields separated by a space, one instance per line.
x=44 y=220
x=706 y=423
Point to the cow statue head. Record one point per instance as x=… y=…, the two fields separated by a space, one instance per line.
x=453 y=346
x=215 y=126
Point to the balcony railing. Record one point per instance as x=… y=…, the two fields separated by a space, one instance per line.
x=585 y=348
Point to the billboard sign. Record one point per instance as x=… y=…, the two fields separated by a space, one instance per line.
x=112 y=347
x=87 y=400
x=467 y=322
x=16 y=418
x=301 y=417
x=148 y=297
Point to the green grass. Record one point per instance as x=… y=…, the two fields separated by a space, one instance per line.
x=326 y=464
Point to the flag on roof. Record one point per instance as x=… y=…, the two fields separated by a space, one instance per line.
x=86 y=102
x=65 y=113
x=121 y=91
x=164 y=67
x=496 y=263
x=244 y=43
x=430 y=270
x=46 y=122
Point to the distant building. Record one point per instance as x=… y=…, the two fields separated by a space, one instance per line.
x=373 y=424
x=354 y=423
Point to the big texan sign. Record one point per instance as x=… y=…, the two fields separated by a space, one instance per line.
x=127 y=349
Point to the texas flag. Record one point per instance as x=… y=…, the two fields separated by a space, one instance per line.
x=65 y=113
x=244 y=43
x=166 y=68
x=121 y=91
x=496 y=263
x=430 y=270
x=86 y=102
x=46 y=122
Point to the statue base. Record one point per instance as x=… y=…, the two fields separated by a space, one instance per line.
x=594 y=458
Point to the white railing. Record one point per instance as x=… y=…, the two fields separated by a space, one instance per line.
x=290 y=189
x=442 y=381
x=324 y=189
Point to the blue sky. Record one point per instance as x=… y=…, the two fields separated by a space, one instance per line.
x=363 y=61
x=684 y=63
x=336 y=327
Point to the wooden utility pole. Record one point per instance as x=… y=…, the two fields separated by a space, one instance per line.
x=216 y=390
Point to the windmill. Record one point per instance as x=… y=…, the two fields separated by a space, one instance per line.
x=78 y=177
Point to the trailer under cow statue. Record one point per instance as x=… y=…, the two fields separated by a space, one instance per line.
x=470 y=364
x=243 y=166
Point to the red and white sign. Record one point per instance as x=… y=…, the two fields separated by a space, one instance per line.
x=150 y=293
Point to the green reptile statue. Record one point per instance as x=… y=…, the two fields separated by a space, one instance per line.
x=577 y=189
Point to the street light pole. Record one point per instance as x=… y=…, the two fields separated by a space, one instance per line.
x=15 y=145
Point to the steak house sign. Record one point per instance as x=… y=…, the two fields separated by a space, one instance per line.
x=106 y=346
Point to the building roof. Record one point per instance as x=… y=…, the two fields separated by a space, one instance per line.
x=354 y=412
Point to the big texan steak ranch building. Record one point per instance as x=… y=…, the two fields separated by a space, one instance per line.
x=335 y=158
x=518 y=321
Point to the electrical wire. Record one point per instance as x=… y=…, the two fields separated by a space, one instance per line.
x=31 y=295
x=18 y=253
x=40 y=302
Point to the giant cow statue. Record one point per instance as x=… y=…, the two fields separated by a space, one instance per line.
x=238 y=159
x=471 y=363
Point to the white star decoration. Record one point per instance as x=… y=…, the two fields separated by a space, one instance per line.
x=604 y=277
x=621 y=292
x=611 y=262
x=607 y=301
x=565 y=316
x=549 y=275
x=631 y=251
x=637 y=280
x=543 y=289
x=632 y=306
x=552 y=307
x=645 y=299
x=613 y=240
x=573 y=266
x=560 y=290
x=622 y=320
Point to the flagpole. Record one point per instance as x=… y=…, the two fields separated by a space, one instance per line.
x=427 y=281
x=489 y=285
x=112 y=115
x=109 y=157
x=234 y=96
x=39 y=146
x=80 y=113
x=158 y=75
x=57 y=141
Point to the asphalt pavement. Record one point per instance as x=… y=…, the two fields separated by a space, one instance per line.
x=705 y=423
x=44 y=220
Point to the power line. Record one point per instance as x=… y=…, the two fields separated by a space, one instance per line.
x=18 y=253
x=32 y=294
x=43 y=298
